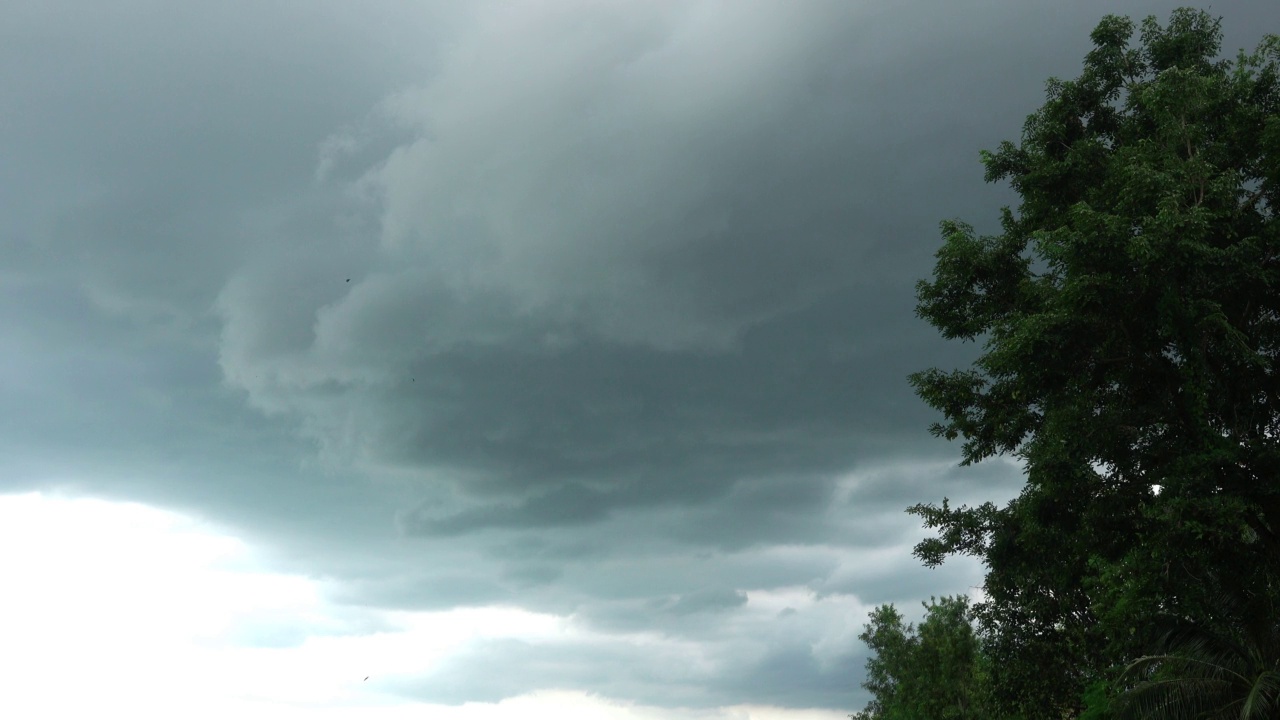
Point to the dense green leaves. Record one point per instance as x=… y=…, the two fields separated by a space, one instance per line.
x=1130 y=318
x=933 y=673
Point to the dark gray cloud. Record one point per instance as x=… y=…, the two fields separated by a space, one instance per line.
x=702 y=601
x=594 y=309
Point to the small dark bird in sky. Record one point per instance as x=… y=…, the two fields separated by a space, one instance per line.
x=348 y=279
x=366 y=677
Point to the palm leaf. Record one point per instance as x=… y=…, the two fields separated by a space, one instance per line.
x=1205 y=674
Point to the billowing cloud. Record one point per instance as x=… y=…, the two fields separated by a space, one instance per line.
x=623 y=261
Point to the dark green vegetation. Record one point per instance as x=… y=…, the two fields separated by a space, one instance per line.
x=1130 y=315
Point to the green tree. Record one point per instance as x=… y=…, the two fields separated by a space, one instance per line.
x=1232 y=673
x=1130 y=316
x=930 y=673
x=892 y=647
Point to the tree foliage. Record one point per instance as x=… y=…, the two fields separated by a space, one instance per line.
x=930 y=673
x=1130 y=318
x=1229 y=673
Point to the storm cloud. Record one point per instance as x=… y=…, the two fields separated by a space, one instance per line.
x=599 y=310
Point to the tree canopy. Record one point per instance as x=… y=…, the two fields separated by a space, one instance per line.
x=930 y=672
x=1129 y=314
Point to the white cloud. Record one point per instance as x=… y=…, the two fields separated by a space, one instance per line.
x=124 y=606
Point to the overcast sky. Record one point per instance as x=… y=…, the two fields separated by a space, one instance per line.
x=519 y=357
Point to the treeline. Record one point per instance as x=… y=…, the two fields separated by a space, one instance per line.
x=1130 y=315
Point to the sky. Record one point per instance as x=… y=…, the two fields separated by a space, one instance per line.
x=462 y=359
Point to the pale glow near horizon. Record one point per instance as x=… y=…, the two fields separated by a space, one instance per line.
x=111 y=606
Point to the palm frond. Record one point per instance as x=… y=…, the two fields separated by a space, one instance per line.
x=1229 y=672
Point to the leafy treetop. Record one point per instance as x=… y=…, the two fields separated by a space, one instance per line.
x=1130 y=320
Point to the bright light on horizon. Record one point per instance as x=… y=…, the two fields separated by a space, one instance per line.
x=112 y=606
